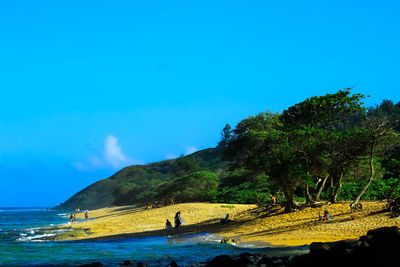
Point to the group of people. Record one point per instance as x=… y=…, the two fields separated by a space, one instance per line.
x=178 y=221
x=72 y=216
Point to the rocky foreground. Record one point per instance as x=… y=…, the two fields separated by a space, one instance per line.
x=379 y=247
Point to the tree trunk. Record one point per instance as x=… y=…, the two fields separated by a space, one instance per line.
x=335 y=192
x=331 y=187
x=371 y=177
x=320 y=188
x=308 y=196
x=290 y=206
x=288 y=191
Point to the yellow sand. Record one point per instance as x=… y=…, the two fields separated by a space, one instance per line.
x=249 y=222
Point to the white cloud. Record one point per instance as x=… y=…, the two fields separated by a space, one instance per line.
x=110 y=156
x=190 y=149
x=113 y=153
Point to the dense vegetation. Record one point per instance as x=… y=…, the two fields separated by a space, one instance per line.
x=324 y=148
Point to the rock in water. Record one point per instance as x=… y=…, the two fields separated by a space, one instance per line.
x=93 y=264
x=317 y=247
x=380 y=247
x=127 y=263
x=229 y=241
x=173 y=264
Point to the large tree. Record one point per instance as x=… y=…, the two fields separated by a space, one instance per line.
x=261 y=143
x=309 y=139
x=333 y=146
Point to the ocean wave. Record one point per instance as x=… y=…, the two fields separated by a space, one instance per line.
x=206 y=238
x=39 y=235
x=34 y=238
x=21 y=210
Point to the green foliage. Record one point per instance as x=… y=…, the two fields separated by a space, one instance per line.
x=242 y=194
x=323 y=111
x=244 y=186
x=378 y=190
x=184 y=165
x=391 y=163
x=226 y=136
x=387 y=109
x=197 y=186
x=228 y=206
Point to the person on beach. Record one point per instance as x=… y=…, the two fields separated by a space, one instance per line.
x=74 y=217
x=226 y=220
x=168 y=225
x=178 y=220
x=71 y=218
x=86 y=216
x=273 y=199
x=325 y=217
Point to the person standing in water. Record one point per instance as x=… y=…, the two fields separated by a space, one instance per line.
x=168 y=225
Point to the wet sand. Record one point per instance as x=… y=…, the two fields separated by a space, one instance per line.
x=249 y=222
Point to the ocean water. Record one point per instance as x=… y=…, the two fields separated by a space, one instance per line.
x=23 y=243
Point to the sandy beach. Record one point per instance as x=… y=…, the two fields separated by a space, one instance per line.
x=249 y=222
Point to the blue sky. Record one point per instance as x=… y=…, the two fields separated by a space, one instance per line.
x=88 y=87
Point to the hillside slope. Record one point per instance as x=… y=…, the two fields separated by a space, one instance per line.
x=137 y=184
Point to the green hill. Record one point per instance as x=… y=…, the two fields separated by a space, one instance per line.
x=138 y=184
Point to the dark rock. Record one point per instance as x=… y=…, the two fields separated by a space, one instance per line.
x=310 y=260
x=384 y=231
x=385 y=239
x=318 y=247
x=222 y=261
x=243 y=262
x=280 y=261
x=380 y=247
x=173 y=264
x=343 y=247
x=265 y=260
x=127 y=263
x=246 y=255
x=366 y=238
x=93 y=264
x=141 y=264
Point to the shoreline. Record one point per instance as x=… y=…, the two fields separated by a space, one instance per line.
x=249 y=223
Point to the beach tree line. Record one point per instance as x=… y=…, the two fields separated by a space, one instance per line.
x=314 y=144
x=326 y=147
